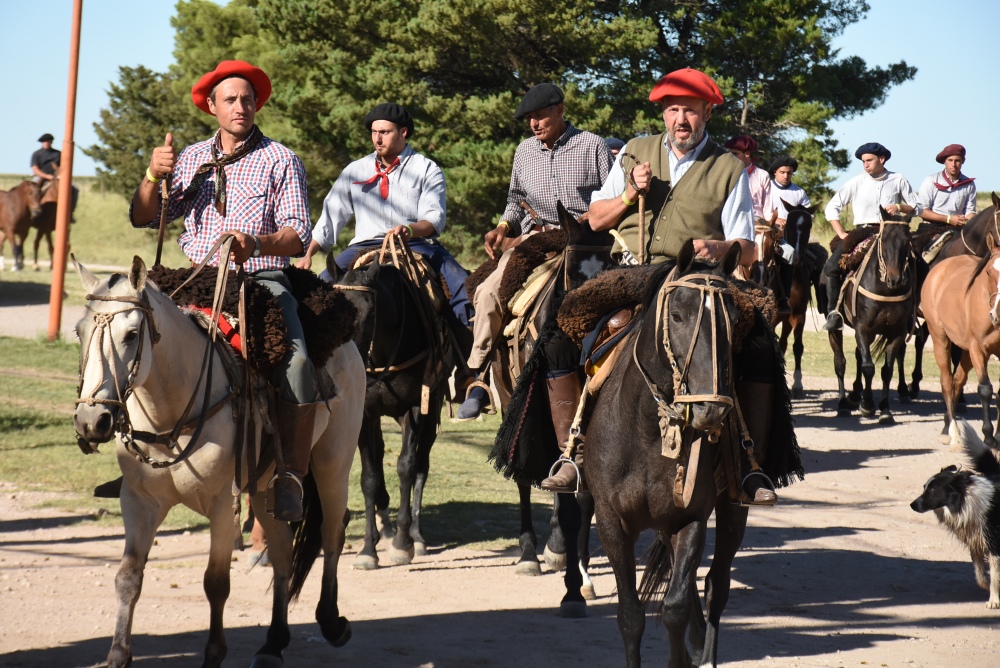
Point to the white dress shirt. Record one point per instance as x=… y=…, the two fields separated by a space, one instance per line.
x=791 y=193
x=953 y=201
x=416 y=192
x=737 y=213
x=865 y=194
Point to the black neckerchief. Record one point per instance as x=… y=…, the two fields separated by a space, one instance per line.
x=217 y=164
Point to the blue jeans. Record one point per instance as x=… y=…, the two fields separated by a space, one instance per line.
x=294 y=378
x=437 y=257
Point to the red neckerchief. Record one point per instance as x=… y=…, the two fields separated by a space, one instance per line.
x=381 y=174
x=750 y=168
x=962 y=180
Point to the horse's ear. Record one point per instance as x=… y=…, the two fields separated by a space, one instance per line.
x=686 y=256
x=773 y=218
x=885 y=215
x=996 y=200
x=788 y=207
x=137 y=274
x=87 y=277
x=731 y=259
x=566 y=220
x=331 y=268
x=813 y=209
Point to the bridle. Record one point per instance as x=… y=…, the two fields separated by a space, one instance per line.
x=677 y=411
x=996 y=231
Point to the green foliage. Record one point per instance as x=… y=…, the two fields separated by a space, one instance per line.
x=462 y=67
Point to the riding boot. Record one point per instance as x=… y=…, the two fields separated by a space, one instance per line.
x=834 y=283
x=564 y=397
x=757 y=409
x=296 y=424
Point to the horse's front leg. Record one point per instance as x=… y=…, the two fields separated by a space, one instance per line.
x=919 y=341
x=401 y=550
x=216 y=581
x=730 y=527
x=425 y=441
x=279 y=547
x=38 y=239
x=902 y=389
x=372 y=449
x=573 y=604
x=979 y=359
x=689 y=547
x=866 y=368
x=141 y=517
x=894 y=353
x=555 y=547
x=586 y=501
x=527 y=541
x=798 y=323
x=620 y=548
x=836 y=338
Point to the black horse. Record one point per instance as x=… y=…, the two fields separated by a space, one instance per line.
x=585 y=254
x=881 y=307
x=399 y=339
x=970 y=240
x=798 y=227
x=633 y=483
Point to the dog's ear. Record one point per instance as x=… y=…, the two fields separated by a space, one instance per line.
x=951 y=469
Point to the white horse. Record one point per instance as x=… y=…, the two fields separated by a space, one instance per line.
x=140 y=363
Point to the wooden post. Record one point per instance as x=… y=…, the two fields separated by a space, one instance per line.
x=64 y=206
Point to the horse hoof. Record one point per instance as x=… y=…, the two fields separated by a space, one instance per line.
x=556 y=561
x=573 y=609
x=528 y=567
x=866 y=411
x=345 y=634
x=262 y=559
x=587 y=591
x=904 y=398
x=886 y=418
x=914 y=391
x=420 y=549
x=364 y=562
x=401 y=557
x=266 y=661
x=798 y=394
x=944 y=439
x=843 y=412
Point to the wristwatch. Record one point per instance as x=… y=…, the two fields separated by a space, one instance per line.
x=256 y=246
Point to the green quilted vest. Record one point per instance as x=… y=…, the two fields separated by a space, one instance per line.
x=692 y=209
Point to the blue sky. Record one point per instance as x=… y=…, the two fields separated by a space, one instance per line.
x=954 y=98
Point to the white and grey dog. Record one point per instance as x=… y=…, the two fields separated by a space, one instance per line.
x=967 y=501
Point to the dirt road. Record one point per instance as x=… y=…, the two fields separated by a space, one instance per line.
x=841 y=573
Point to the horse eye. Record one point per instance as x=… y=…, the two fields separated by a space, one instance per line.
x=676 y=317
x=130 y=336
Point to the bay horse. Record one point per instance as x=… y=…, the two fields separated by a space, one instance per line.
x=45 y=223
x=399 y=338
x=880 y=305
x=960 y=299
x=970 y=240
x=585 y=253
x=798 y=227
x=140 y=363
x=18 y=208
x=680 y=364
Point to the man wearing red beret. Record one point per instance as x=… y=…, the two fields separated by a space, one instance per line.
x=242 y=182
x=948 y=196
x=695 y=190
x=744 y=147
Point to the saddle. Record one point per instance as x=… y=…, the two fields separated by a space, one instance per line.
x=426 y=278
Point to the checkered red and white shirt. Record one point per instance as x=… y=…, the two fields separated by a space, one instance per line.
x=265 y=191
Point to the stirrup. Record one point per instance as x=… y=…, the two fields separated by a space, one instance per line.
x=555 y=467
x=490 y=407
x=746 y=501
x=269 y=490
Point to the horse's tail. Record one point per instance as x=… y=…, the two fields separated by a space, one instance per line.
x=307 y=537
x=659 y=560
x=878 y=348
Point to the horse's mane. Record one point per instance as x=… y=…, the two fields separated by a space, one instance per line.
x=980 y=266
x=657 y=277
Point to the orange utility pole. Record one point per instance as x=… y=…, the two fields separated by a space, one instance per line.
x=64 y=206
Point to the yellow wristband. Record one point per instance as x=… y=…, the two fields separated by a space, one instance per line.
x=410 y=228
x=505 y=224
x=627 y=202
x=149 y=175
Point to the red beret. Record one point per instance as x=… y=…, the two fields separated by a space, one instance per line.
x=744 y=143
x=688 y=83
x=231 y=68
x=951 y=149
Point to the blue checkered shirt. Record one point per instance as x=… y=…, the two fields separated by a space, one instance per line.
x=265 y=191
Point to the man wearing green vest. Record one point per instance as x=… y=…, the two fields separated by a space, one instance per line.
x=695 y=190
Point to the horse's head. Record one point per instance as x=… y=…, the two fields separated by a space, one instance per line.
x=33 y=196
x=992 y=267
x=363 y=288
x=765 y=238
x=894 y=251
x=798 y=227
x=587 y=252
x=51 y=193
x=695 y=313
x=115 y=335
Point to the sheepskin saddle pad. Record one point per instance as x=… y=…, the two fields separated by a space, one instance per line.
x=327 y=316
x=524 y=258
x=623 y=287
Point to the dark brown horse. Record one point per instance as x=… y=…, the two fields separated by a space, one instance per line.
x=679 y=365
x=798 y=227
x=18 y=208
x=880 y=305
x=45 y=223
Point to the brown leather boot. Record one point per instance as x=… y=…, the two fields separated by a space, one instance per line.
x=756 y=404
x=564 y=397
x=296 y=423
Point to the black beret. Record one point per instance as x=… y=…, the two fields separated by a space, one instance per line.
x=783 y=161
x=874 y=148
x=392 y=112
x=540 y=96
x=614 y=144
x=46 y=137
